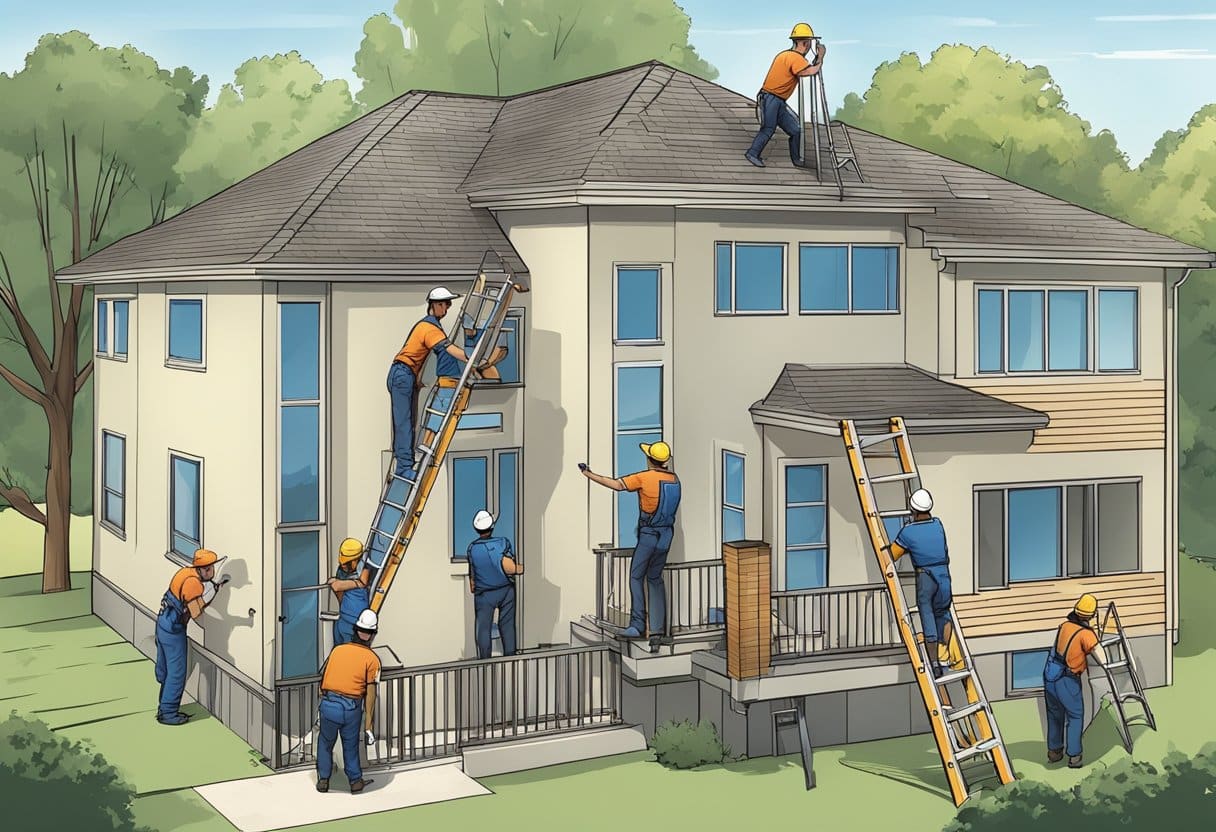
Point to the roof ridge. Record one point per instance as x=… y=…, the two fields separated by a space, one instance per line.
x=331 y=180
x=605 y=133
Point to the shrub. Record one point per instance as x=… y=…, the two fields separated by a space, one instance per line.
x=50 y=782
x=685 y=745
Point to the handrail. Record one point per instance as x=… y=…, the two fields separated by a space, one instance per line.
x=824 y=590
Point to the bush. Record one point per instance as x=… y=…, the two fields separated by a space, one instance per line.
x=1131 y=794
x=50 y=782
x=684 y=745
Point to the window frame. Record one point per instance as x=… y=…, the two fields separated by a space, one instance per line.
x=849 y=310
x=1134 y=291
x=172 y=492
x=782 y=505
x=493 y=493
x=110 y=353
x=118 y=530
x=494 y=416
x=723 y=505
x=617 y=432
x=657 y=341
x=319 y=403
x=173 y=362
x=280 y=533
x=516 y=313
x=1021 y=692
x=733 y=311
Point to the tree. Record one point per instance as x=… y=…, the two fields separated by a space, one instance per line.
x=503 y=47
x=275 y=106
x=88 y=142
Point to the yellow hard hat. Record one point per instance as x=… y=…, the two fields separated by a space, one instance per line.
x=1086 y=606
x=658 y=451
x=204 y=557
x=801 y=31
x=349 y=550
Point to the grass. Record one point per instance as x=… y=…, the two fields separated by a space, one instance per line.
x=21 y=551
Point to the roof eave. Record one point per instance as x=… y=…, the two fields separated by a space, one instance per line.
x=827 y=426
x=346 y=272
x=1057 y=256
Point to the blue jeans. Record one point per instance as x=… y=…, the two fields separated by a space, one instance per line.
x=484 y=604
x=775 y=113
x=443 y=401
x=1065 y=713
x=933 y=599
x=403 y=393
x=646 y=570
x=339 y=716
x=171 y=652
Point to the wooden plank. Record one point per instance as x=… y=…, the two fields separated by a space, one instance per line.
x=1153 y=620
x=1091 y=447
x=1095 y=438
x=1058 y=612
x=1124 y=432
x=1129 y=418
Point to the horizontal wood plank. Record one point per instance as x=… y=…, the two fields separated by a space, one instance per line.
x=1041 y=605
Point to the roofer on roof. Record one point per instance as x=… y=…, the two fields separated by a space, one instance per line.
x=779 y=85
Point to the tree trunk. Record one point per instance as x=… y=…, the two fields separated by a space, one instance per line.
x=56 y=548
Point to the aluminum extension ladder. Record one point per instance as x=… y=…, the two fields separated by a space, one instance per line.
x=1113 y=638
x=403 y=498
x=963 y=733
x=842 y=153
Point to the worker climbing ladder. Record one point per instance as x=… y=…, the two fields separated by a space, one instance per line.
x=403 y=498
x=969 y=731
x=836 y=135
x=1119 y=660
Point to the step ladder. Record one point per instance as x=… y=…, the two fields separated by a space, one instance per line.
x=1119 y=660
x=403 y=498
x=839 y=148
x=966 y=734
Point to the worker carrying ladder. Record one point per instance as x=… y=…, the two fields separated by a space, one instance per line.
x=1121 y=667
x=403 y=496
x=964 y=733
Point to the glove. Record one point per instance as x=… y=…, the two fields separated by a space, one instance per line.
x=209 y=590
x=369 y=737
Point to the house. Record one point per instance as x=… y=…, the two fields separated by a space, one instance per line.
x=676 y=291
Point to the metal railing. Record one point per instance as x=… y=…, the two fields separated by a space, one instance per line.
x=812 y=621
x=439 y=710
x=695 y=592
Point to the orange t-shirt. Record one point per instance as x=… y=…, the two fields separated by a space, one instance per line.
x=782 y=78
x=186 y=585
x=350 y=669
x=423 y=338
x=646 y=483
x=1081 y=646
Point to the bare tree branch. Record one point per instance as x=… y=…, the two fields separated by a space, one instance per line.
x=494 y=59
x=33 y=344
x=24 y=387
x=77 y=254
x=559 y=42
x=83 y=375
x=19 y=499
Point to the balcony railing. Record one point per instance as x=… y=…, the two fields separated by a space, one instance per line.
x=439 y=710
x=815 y=621
x=694 y=592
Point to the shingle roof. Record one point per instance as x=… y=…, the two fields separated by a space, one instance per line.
x=822 y=396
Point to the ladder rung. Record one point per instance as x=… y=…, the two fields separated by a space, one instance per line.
x=893 y=478
x=977 y=749
x=953 y=714
x=876 y=439
x=1116 y=665
x=903 y=512
x=391 y=504
x=953 y=676
x=1109 y=640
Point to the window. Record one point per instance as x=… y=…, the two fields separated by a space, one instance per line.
x=185 y=504
x=480 y=421
x=1056 y=330
x=299 y=560
x=1050 y=531
x=510 y=369
x=637 y=305
x=848 y=278
x=732 y=497
x=113 y=481
x=185 y=331
x=806 y=527
x=639 y=419
x=749 y=278
x=1026 y=669
x=490 y=481
x=102 y=324
x=299 y=412
x=111 y=324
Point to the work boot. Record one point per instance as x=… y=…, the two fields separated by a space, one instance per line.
x=360 y=785
x=323 y=786
x=630 y=632
x=1074 y=762
x=799 y=163
x=755 y=160
x=176 y=719
x=1055 y=756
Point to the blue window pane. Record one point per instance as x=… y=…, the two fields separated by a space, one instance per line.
x=1025 y=331
x=113 y=450
x=300 y=350
x=804 y=484
x=990 y=335
x=121 y=312
x=479 y=421
x=806 y=525
x=506 y=525
x=732 y=479
x=1068 y=330
x=639 y=398
x=102 y=325
x=806 y=568
x=1117 y=329
x=823 y=278
x=722 y=277
x=875 y=278
x=732 y=525
x=114 y=510
x=759 y=278
x=300 y=559
x=300 y=637
x=1034 y=533
x=637 y=304
x=185 y=505
x=629 y=458
x=186 y=330
x=1028 y=669
x=470 y=486
x=300 y=444
x=508 y=336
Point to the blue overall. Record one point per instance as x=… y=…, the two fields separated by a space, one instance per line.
x=774 y=113
x=926 y=545
x=171 y=652
x=649 y=557
x=403 y=394
x=353 y=602
x=493 y=590
x=1065 y=703
x=340 y=716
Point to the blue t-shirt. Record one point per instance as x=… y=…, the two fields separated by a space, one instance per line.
x=485 y=562
x=925 y=542
x=446 y=365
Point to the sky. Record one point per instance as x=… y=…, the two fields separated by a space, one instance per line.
x=1136 y=68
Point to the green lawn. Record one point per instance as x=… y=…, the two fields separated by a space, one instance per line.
x=62 y=665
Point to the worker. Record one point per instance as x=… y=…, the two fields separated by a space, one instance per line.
x=191 y=590
x=924 y=540
x=448 y=371
x=350 y=588
x=492 y=571
x=1075 y=641
x=779 y=85
x=658 y=491
x=405 y=373
x=471 y=333
x=348 y=700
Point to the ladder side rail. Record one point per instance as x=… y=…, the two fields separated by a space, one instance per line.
x=827 y=120
x=985 y=719
x=1133 y=671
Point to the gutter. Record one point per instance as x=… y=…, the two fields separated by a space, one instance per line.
x=1171 y=473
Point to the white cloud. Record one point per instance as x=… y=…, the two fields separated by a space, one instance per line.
x=276 y=21
x=1153 y=18
x=982 y=23
x=1155 y=55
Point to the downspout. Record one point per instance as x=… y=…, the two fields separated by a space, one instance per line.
x=1171 y=464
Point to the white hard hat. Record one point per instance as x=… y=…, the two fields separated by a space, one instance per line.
x=483 y=521
x=367 y=621
x=921 y=500
x=441 y=293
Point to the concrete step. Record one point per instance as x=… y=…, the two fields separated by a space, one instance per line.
x=538 y=752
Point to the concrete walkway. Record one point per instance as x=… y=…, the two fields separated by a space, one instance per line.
x=261 y=804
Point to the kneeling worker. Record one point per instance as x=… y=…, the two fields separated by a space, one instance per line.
x=492 y=571
x=352 y=593
x=1075 y=640
x=192 y=589
x=924 y=539
x=348 y=700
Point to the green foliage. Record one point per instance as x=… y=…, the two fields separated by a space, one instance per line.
x=503 y=47
x=63 y=784
x=685 y=745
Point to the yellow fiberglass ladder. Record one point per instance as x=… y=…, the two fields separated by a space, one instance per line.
x=967 y=734
x=403 y=498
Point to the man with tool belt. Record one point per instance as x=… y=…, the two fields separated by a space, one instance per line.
x=348 y=700
x=190 y=591
x=1066 y=663
x=924 y=540
x=782 y=79
x=348 y=585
